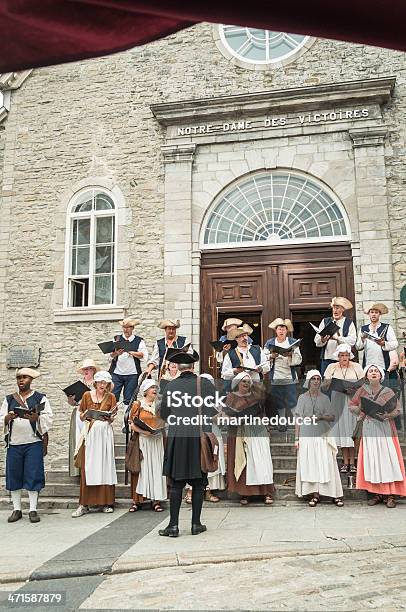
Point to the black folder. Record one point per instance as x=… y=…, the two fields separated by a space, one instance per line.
x=111 y=346
x=373 y=409
x=97 y=415
x=24 y=413
x=218 y=345
x=142 y=425
x=329 y=330
x=348 y=387
x=77 y=389
x=282 y=350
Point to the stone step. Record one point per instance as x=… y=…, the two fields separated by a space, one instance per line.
x=284 y=494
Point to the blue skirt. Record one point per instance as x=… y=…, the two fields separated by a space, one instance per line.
x=25 y=467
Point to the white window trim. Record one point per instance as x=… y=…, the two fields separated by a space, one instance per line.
x=226 y=51
x=276 y=243
x=70 y=216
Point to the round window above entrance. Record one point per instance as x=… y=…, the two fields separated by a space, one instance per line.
x=255 y=48
x=275 y=207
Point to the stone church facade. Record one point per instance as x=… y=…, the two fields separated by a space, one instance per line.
x=177 y=179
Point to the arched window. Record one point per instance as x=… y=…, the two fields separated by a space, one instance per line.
x=274 y=207
x=91 y=250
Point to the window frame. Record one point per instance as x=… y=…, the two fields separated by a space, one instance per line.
x=236 y=184
x=93 y=214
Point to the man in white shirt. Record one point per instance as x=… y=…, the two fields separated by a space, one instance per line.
x=347 y=334
x=171 y=339
x=244 y=356
x=377 y=352
x=283 y=372
x=125 y=366
x=26 y=442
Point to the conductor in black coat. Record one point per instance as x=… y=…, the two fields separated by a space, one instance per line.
x=182 y=453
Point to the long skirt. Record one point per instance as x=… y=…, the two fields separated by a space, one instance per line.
x=98 y=466
x=74 y=433
x=240 y=486
x=345 y=421
x=150 y=483
x=316 y=468
x=217 y=481
x=95 y=495
x=381 y=469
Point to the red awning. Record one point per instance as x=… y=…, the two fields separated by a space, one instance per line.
x=43 y=32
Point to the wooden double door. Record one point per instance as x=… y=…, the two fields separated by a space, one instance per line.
x=259 y=284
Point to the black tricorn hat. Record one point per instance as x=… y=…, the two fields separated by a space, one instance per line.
x=183 y=357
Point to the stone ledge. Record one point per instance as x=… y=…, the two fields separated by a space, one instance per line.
x=69 y=315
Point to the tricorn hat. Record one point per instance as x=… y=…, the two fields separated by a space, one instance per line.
x=383 y=309
x=285 y=322
x=129 y=322
x=169 y=323
x=234 y=333
x=28 y=372
x=185 y=358
x=228 y=322
x=341 y=301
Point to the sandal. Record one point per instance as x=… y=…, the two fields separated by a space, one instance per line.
x=134 y=507
x=212 y=498
x=376 y=499
x=314 y=501
x=188 y=498
x=344 y=468
x=390 y=502
x=353 y=469
x=156 y=506
x=268 y=500
x=244 y=501
x=338 y=502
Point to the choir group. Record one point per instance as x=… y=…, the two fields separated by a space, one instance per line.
x=349 y=406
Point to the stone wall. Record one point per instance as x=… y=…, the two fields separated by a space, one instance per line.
x=90 y=119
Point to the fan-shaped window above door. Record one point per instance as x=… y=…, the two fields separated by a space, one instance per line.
x=275 y=207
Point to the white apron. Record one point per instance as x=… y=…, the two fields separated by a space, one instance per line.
x=259 y=468
x=381 y=463
x=100 y=464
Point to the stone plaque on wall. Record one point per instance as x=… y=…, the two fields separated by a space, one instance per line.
x=23 y=356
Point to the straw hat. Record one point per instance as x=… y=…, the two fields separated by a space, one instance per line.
x=169 y=323
x=228 y=322
x=383 y=309
x=234 y=333
x=341 y=301
x=129 y=322
x=28 y=372
x=87 y=363
x=285 y=322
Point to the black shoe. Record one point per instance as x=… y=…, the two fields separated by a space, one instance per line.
x=170 y=532
x=196 y=529
x=16 y=515
x=282 y=428
x=33 y=516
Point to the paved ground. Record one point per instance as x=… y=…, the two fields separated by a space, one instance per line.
x=286 y=557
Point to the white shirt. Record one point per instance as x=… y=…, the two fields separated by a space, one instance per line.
x=227 y=371
x=22 y=432
x=125 y=365
x=155 y=353
x=333 y=343
x=282 y=371
x=372 y=350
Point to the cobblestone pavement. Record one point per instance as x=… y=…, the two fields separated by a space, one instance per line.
x=331 y=582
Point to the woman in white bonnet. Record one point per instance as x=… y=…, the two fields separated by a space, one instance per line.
x=345 y=422
x=316 y=471
x=149 y=483
x=95 y=451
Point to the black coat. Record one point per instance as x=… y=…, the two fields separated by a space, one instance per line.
x=182 y=452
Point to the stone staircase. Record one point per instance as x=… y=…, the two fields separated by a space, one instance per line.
x=62 y=490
